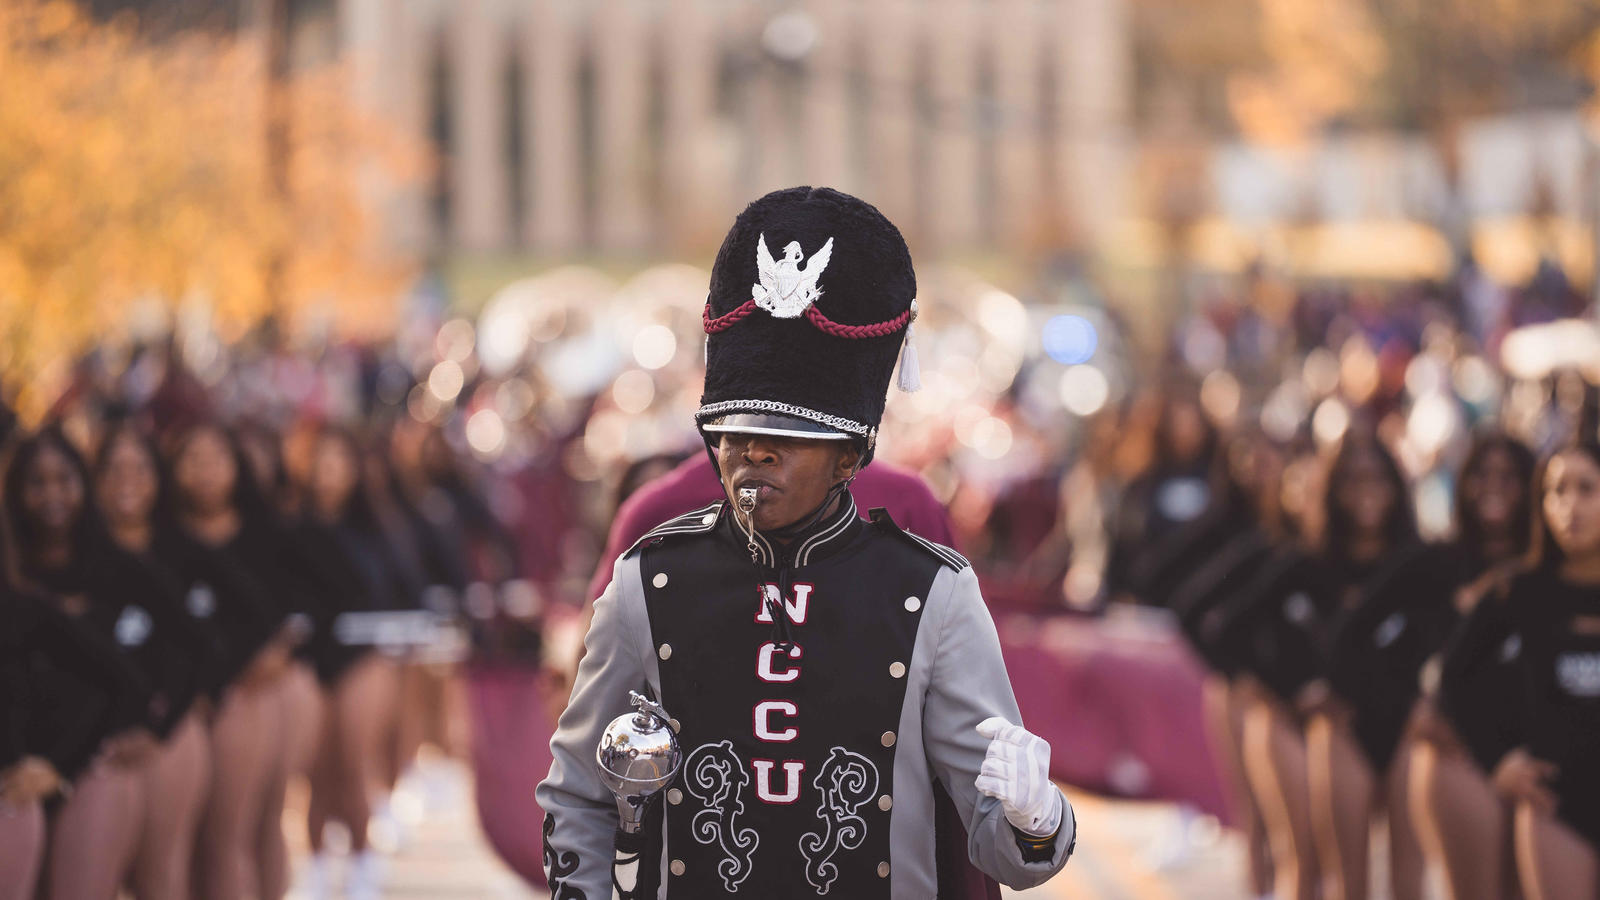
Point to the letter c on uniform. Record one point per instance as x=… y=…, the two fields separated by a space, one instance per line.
x=763 y=713
x=764 y=664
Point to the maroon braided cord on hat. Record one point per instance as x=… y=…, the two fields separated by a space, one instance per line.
x=854 y=332
x=822 y=322
x=723 y=322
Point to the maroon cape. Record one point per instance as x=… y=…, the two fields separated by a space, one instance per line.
x=694 y=483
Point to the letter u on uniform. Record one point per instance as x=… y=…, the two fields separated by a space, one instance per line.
x=793 y=769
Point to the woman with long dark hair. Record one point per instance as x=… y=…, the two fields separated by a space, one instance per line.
x=292 y=575
x=63 y=691
x=351 y=771
x=63 y=549
x=218 y=519
x=1280 y=626
x=1360 y=763
x=1254 y=465
x=1464 y=827
x=1170 y=493
x=127 y=484
x=1540 y=633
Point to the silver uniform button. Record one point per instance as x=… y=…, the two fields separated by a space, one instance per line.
x=897 y=670
x=886 y=803
x=677 y=867
x=708 y=519
x=660 y=580
x=665 y=651
x=676 y=725
x=888 y=739
x=674 y=796
x=883 y=870
x=913 y=604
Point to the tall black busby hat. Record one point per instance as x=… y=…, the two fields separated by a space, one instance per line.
x=811 y=297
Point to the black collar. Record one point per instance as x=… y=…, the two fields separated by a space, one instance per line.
x=823 y=539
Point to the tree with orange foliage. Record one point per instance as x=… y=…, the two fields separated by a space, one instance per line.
x=132 y=169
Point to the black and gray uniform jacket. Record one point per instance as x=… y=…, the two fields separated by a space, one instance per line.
x=811 y=738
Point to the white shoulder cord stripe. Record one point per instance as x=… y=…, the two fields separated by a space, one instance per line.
x=804 y=555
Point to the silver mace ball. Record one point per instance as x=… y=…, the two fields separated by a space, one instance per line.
x=638 y=756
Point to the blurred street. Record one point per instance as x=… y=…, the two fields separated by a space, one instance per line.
x=441 y=853
x=444 y=855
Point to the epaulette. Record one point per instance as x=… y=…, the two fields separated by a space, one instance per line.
x=699 y=521
x=884 y=522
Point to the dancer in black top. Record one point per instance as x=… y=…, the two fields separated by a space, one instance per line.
x=1255 y=466
x=364 y=695
x=287 y=558
x=1279 y=628
x=213 y=506
x=1369 y=513
x=64 y=550
x=1463 y=825
x=1171 y=493
x=174 y=782
x=63 y=691
x=1549 y=741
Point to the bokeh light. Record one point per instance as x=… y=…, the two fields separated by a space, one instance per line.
x=633 y=391
x=446 y=380
x=654 y=346
x=1084 y=390
x=1069 y=339
x=486 y=433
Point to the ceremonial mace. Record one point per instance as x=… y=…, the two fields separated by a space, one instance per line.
x=638 y=756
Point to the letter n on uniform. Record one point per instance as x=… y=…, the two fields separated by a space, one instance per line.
x=795 y=608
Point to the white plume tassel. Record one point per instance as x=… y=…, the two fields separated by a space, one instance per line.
x=910 y=369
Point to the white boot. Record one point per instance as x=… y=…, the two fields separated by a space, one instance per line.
x=316 y=877
x=364 y=881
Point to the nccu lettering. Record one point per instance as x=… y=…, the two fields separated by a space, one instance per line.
x=825 y=674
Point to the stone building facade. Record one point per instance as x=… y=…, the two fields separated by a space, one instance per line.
x=639 y=126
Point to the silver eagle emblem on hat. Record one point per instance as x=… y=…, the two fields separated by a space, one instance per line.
x=786 y=288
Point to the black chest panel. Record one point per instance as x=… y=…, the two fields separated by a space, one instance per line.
x=789 y=756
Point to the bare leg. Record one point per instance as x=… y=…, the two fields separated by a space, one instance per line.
x=297 y=710
x=1342 y=790
x=367 y=698
x=1405 y=849
x=1225 y=722
x=1275 y=761
x=1461 y=824
x=93 y=836
x=303 y=717
x=22 y=835
x=242 y=769
x=324 y=799
x=1553 y=862
x=271 y=853
x=437 y=681
x=411 y=721
x=175 y=786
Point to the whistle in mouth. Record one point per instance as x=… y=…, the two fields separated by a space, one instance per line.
x=747 y=499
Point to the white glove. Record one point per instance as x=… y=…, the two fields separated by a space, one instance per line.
x=1016 y=771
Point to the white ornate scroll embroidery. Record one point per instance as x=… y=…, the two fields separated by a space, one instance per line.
x=847 y=781
x=716 y=776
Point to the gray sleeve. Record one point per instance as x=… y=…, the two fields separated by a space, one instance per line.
x=969 y=684
x=580 y=812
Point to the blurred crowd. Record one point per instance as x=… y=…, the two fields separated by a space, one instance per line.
x=236 y=561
